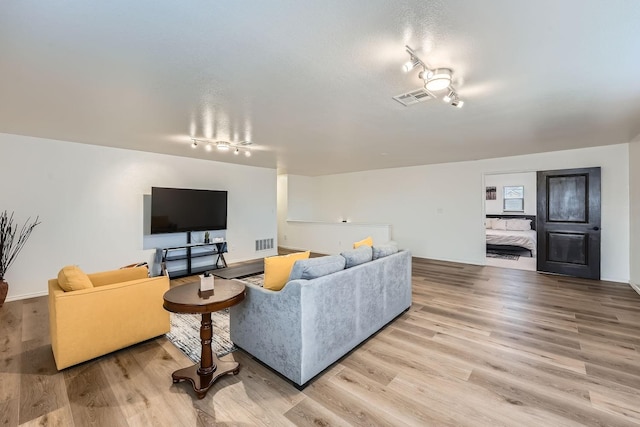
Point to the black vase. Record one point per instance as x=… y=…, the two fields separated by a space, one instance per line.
x=4 y=289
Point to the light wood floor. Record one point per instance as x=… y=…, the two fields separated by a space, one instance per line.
x=480 y=346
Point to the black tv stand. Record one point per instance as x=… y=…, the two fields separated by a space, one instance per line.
x=189 y=252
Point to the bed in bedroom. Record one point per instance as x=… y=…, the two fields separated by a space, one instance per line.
x=509 y=233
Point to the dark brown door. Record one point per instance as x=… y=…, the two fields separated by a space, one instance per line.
x=569 y=222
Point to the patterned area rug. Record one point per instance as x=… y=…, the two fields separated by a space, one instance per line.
x=185 y=334
x=257 y=280
x=185 y=329
x=502 y=256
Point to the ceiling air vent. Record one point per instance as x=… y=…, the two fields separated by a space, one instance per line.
x=413 y=97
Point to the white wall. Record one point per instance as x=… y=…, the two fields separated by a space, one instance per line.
x=527 y=179
x=331 y=237
x=301 y=202
x=91 y=201
x=436 y=211
x=634 y=192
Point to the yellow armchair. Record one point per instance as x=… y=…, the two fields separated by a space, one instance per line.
x=123 y=308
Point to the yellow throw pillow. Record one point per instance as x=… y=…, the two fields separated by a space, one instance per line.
x=71 y=278
x=364 y=242
x=278 y=268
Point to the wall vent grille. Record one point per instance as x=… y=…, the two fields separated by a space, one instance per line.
x=264 y=244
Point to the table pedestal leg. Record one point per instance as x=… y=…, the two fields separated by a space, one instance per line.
x=203 y=375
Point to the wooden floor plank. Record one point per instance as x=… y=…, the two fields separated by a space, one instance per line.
x=91 y=399
x=310 y=413
x=558 y=405
x=42 y=390
x=10 y=412
x=61 y=417
x=617 y=404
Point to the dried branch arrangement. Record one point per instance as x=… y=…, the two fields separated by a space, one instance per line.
x=12 y=242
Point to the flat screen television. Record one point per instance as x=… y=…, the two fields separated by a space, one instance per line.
x=175 y=210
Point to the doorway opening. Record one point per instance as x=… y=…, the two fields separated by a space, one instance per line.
x=510 y=220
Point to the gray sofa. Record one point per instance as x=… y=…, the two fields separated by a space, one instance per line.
x=308 y=325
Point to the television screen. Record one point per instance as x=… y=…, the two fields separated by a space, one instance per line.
x=175 y=210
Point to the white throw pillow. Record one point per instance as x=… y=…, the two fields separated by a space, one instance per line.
x=488 y=223
x=518 y=224
x=499 y=224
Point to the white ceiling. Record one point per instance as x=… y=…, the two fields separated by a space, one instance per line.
x=310 y=82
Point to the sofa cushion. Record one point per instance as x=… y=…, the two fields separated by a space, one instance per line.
x=381 y=251
x=364 y=242
x=72 y=278
x=278 y=268
x=313 y=268
x=357 y=256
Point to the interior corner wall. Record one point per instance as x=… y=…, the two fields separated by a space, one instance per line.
x=526 y=179
x=282 y=201
x=92 y=202
x=436 y=211
x=634 y=196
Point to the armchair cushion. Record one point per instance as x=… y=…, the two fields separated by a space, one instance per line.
x=72 y=278
x=118 y=276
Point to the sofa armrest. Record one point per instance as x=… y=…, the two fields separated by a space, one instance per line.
x=267 y=325
x=118 y=276
x=91 y=322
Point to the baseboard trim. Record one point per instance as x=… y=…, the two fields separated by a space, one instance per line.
x=26 y=296
x=457 y=261
x=635 y=287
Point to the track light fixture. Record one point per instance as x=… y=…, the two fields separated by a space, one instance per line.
x=411 y=64
x=241 y=147
x=435 y=80
x=453 y=99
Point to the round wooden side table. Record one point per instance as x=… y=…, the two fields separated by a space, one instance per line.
x=187 y=298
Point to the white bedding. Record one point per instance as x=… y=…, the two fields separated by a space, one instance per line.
x=524 y=239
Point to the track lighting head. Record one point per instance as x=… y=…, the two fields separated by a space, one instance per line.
x=453 y=99
x=222 y=146
x=236 y=151
x=411 y=64
x=458 y=103
x=448 y=97
x=425 y=74
x=194 y=144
